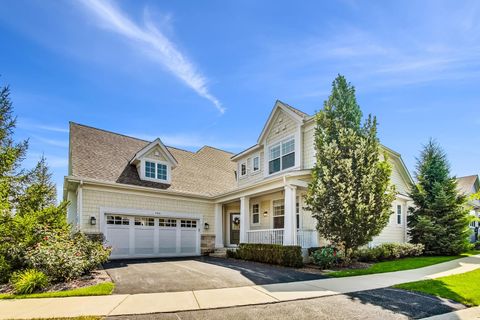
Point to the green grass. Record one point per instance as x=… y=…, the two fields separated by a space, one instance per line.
x=100 y=289
x=463 y=288
x=399 y=265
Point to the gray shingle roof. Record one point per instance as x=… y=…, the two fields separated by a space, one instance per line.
x=102 y=155
x=465 y=184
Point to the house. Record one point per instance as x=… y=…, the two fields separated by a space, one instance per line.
x=148 y=199
x=469 y=185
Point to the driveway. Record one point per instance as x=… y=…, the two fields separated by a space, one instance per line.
x=186 y=274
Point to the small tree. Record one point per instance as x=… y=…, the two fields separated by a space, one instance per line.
x=40 y=191
x=11 y=154
x=439 y=219
x=350 y=194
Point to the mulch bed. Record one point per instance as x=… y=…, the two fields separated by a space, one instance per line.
x=95 y=277
x=313 y=268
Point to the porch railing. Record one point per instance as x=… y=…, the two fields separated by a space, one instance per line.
x=268 y=236
x=305 y=238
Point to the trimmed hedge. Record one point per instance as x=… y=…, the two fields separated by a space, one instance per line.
x=288 y=256
x=389 y=251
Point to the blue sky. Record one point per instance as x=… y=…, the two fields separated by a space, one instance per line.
x=200 y=73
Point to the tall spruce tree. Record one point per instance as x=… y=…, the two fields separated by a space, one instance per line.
x=350 y=194
x=40 y=191
x=11 y=154
x=439 y=218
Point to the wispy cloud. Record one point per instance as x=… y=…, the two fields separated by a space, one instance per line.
x=31 y=125
x=52 y=142
x=155 y=43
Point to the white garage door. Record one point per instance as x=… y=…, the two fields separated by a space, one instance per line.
x=141 y=237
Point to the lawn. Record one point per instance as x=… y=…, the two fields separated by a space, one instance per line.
x=463 y=288
x=100 y=289
x=399 y=265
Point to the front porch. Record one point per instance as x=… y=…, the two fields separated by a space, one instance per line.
x=273 y=216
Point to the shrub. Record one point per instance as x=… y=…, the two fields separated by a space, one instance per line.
x=64 y=258
x=231 y=253
x=5 y=270
x=476 y=245
x=327 y=257
x=29 y=281
x=389 y=251
x=288 y=256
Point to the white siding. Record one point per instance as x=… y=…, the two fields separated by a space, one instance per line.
x=394 y=232
x=308 y=146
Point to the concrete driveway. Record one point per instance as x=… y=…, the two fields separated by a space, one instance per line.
x=186 y=274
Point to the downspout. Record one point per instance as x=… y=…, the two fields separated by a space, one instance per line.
x=80 y=204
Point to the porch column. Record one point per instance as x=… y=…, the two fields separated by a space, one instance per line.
x=244 y=218
x=290 y=228
x=218 y=225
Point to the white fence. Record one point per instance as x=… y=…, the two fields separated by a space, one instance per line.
x=305 y=238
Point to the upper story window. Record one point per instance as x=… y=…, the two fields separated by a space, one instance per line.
x=256 y=164
x=281 y=156
x=156 y=170
x=243 y=169
x=399 y=214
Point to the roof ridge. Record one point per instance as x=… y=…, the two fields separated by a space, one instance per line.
x=293 y=108
x=207 y=146
x=108 y=131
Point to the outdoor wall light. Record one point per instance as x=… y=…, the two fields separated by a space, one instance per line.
x=206 y=226
x=93 y=221
x=265 y=213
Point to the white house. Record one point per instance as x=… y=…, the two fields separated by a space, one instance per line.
x=151 y=200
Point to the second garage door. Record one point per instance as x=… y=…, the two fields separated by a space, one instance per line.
x=136 y=237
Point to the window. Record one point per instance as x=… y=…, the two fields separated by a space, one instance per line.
x=472 y=224
x=255 y=213
x=282 y=156
x=150 y=222
x=188 y=223
x=150 y=169
x=278 y=214
x=167 y=222
x=256 y=163
x=156 y=170
x=243 y=169
x=399 y=214
x=161 y=171
x=118 y=220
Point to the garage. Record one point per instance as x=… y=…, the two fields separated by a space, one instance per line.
x=143 y=237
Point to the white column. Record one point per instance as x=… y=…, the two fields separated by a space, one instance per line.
x=244 y=218
x=290 y=227
x=218 y=225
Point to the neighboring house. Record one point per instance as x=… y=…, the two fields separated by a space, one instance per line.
x=468 y=186
x=148 y=199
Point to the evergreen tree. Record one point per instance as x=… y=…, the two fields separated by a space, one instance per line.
x=11 y=154
x=350 y=194
x=40 y=192
x=439 y=219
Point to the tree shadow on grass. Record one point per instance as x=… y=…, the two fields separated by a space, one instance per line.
x=411 y=304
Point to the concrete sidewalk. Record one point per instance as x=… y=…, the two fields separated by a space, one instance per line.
x=218 y=298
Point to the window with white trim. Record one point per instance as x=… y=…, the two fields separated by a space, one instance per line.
x=256 y=164
x=156 y=170
x=188 y=223
x=118 y=220
x=243 y=169
x=399 y=214
x=278 y=214
x=281 y=156
x=167 y=222
x=147 y=222
x=255 y=213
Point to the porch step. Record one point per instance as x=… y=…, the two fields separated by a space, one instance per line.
x=219 y=253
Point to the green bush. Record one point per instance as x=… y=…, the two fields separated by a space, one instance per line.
x=5 y=270
x=327 y=257
x=476 y=245
x=29 y=281
x=231 y=253
x=288 y=256
x=389 y=251
x=63 y=257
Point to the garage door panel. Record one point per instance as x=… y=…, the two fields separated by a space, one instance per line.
x=188 y=241
x=119 y=239
x=167 y=239
x=144 y=241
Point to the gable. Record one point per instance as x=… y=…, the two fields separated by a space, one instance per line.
x=156 y=153
x=281 y=125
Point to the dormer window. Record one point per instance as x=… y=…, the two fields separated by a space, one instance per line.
x=155 y=170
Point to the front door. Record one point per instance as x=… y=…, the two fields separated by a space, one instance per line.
x=234 y=228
